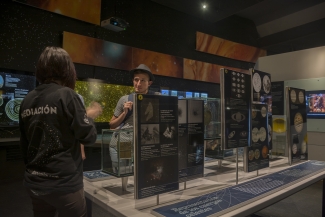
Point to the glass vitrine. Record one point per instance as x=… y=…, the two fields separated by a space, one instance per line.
x=117 y=152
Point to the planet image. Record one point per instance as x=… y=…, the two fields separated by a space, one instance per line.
x=231 y=134
x=301 y=97
x=1 y=81
x=12 y=108
x=255 y=134
x=298 y=122
x=293 y=96
x=257 y=82
x=262 y=134
x=303 y=147
x=265 y=152
x=266 y=84
x=257 y=154
x=251 y=155
x=294 y=149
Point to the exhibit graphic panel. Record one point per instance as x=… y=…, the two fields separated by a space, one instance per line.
x=13 y=89
x=235 y=88
x=296 y=124
x=277 y=97
x=225 y=200
x=258 y=151
x=156 y=145
x=261 y=86
x=191 y=139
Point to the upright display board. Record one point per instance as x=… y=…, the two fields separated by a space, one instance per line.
x=258 y=151
x=235 y=88
x=191 y=139
x=261 y=88
x=296 y=124
x=156 y=145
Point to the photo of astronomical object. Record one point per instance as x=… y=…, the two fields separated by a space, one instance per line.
x=301 y=97
x=263 y=111
x=195 y=150
x=255 y=134
x=238 y=117
x=231 y=134
x=266 y=84
x=294 y=149
x=316 y=103
x=149 y=134
x=262 y=134
x=182 y=112
x=303 y=147
x=265 y=152
x=169 y=133
x=195 y=111
x=149 y=110
x=12 y=108
x=257 y=83
x=159 y=171
x=298 y=122
x=293 y=95
x=257 y=154
x=251 y=155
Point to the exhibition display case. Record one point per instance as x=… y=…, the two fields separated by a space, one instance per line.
x=212 y=123
x=117 y=152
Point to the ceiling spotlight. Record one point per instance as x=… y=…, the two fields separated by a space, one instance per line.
x=204 y=6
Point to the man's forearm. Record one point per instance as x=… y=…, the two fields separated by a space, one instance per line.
x=117 y=121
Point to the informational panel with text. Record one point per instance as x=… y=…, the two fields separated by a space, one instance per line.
x=156 y=145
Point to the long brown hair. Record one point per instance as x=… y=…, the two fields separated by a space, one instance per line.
x=55 y=64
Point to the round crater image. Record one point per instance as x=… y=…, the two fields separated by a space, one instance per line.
x=251 y=155
x=263 y=111
x=266 y=84
x=293 y=96
x=257 y=154
x=265 y=151
x=262 y=134
x=303 y=147
x=298 y=122
x=255 y=135
x=294 y=149
x=301 y=97
x=257 y=82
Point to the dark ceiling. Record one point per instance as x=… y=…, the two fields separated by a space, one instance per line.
x=282 y=25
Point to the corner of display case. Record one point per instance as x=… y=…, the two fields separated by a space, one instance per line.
x=117 y=152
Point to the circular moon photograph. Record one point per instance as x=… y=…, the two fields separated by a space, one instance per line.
x=266 y=84
x=257 y=82
x=294 y=149
x=265 y=151
x=257 y=154
x=303 y=147
x=255 y=135
x=251 y=155
x=301 y=97
x=263 y=111
x=262 y=134
x=12 y=108
x=293 y=96
x=298 y=122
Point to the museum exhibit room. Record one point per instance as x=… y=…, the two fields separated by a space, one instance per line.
x=167 y=108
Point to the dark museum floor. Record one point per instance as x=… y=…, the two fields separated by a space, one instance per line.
x=14 y=201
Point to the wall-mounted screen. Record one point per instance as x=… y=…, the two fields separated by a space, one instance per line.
x=315 y=102
x=13 y=89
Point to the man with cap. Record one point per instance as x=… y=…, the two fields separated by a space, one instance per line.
x=142 y=79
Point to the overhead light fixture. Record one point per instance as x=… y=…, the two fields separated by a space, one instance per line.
x=204 y=6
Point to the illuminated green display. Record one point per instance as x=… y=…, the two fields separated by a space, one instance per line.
x=105 y=94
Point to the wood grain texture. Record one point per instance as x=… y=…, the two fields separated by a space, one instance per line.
x=225 y=48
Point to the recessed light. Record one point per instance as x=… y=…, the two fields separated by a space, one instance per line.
x=204 y=6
